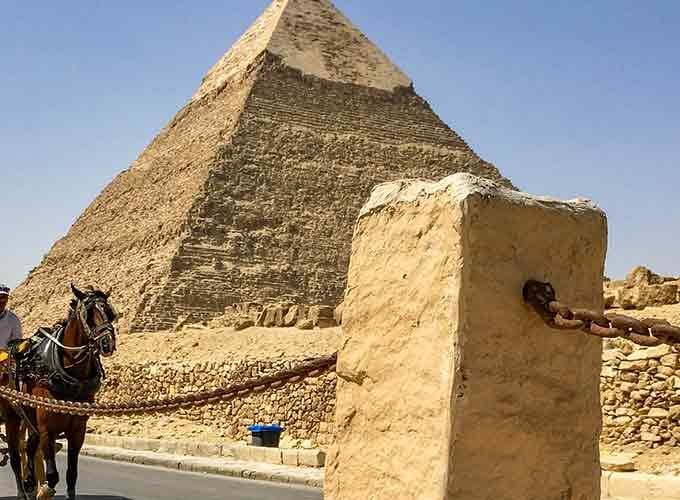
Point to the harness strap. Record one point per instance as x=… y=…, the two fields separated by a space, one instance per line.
x=53 y=339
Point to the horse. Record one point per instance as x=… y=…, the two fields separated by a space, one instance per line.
x=62 y=363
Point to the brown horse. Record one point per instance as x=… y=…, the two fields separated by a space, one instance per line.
x=61 y=364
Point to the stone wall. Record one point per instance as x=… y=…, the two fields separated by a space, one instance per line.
x=305 y=409
x=640 y=394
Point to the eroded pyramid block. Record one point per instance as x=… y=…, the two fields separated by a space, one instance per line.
x=252 y=190
x=449 y=386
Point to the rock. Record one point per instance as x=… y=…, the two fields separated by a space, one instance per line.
x=281 y=312
x=617 y=462
x=658 y=413
x=674 y=412
x=270 y=316
x=649 y=437
x=295 y=314
x=637 y=365
x=608 y=371
x=643 y=296
x=670 y=360
x=658 y=386
x=612 y=355
x=627 y=387
x=243 y=323
x=305 y=324
x=650 y=352
x=665 y=370
x=254 y=310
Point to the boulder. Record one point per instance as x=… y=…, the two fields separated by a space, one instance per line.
x=270 y=314
x=642 y=296
x=243 y=323
x=295 y=314
x=305 y=324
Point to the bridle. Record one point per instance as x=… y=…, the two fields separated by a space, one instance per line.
x=100 y=338
x=105 y=330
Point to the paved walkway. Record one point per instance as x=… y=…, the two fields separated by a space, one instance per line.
x=212 y=465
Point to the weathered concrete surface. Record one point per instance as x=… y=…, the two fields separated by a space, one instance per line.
x=449 y=386
x=251 y=192
x=638 y=486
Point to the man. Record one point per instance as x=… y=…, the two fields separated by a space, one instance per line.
x=10 y=326
x=10 y=329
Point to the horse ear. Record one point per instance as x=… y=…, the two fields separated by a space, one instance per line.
x=107 y=294
x=79 y=295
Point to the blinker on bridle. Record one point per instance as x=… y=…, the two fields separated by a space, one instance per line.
x=82 y=309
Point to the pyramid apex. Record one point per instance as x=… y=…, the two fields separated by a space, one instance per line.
x=312 y=36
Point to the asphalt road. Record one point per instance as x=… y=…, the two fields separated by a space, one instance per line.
x=104 y=480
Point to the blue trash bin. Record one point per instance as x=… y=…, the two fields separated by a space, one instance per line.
x=265 y=435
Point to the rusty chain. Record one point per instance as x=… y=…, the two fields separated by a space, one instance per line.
x=313 y=367
x=647 y=332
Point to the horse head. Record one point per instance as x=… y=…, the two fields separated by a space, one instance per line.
x=96 y=315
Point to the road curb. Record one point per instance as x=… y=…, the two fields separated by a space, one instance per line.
x=233 y=451
x=301 y=476
x=286 y=466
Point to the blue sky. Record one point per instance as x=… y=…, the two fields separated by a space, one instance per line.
x=567 y=98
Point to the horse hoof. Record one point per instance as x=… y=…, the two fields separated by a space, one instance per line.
x=45 y=493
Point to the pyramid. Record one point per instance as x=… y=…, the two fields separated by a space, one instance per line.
x=251 y=192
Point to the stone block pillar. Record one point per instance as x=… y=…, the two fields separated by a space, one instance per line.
x=450 y=387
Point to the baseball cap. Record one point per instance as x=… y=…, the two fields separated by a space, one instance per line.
x=4 y=290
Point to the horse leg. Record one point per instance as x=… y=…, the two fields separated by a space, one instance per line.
x=75 y=443
x=52 y=474
x=31 y=480
x=12 y=427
